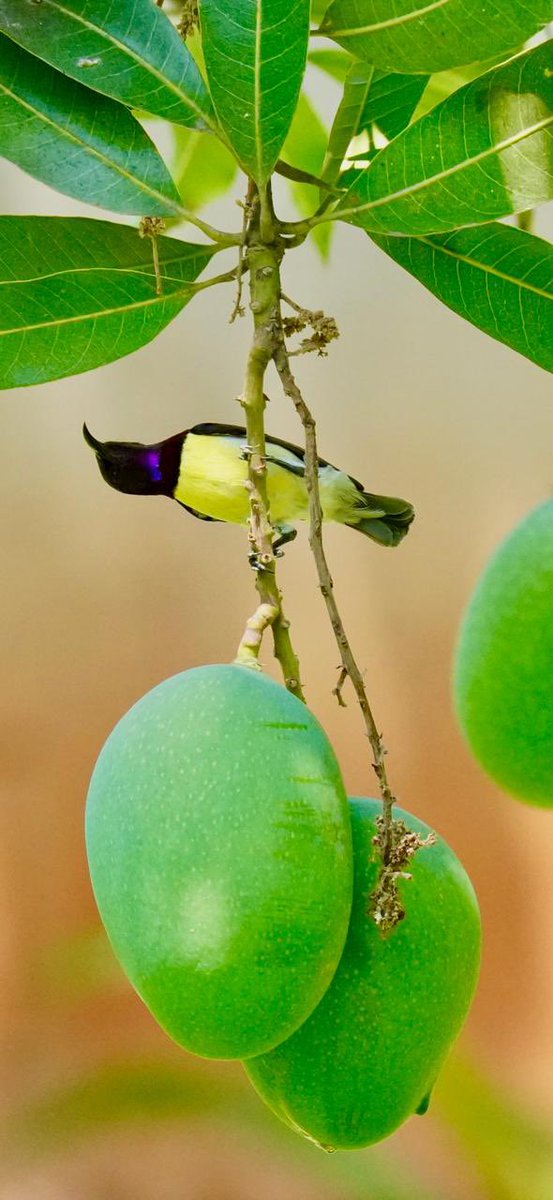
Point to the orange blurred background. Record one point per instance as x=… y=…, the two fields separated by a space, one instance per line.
x=104 y=595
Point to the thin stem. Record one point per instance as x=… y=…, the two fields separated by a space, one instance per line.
x=157 y=269
x=299 y=176
x=300 y=229
x=263 y=261
x=349 y=664
x=291 y=303
x=238 y=310
x=226 y=277
x=215 y=235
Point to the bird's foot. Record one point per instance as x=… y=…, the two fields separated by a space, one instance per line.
x=258 y=562
x=286 y=533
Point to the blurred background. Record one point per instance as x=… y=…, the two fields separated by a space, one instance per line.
x=103 y=595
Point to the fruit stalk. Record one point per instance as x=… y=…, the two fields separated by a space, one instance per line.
x=384 y=897
x=265 y=248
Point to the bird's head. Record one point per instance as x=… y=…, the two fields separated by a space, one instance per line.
x=138 y=469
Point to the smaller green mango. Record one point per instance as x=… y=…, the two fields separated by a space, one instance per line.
x=219 y=846
x=368 y=1056
x=503 y=674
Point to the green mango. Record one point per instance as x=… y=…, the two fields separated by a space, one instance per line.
x=503 y=673
x=368 y=1056
x=219 y=845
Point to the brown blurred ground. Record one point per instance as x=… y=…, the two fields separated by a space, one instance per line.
x=104 y=595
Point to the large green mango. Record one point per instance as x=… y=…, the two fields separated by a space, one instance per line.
x=369 y=1055
x=219 y=845
x=503 y=679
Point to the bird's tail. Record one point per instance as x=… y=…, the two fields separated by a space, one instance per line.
x=385 y=519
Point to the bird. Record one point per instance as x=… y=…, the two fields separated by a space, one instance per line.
x=205 y=470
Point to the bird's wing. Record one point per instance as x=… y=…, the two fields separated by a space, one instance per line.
x=213 y=429
x=293 y=468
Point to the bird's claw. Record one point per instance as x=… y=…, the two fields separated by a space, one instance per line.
x=255 y=562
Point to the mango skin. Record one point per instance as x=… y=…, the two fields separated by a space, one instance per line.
x=219 y=845
x=369 y=1055
x=503 y=673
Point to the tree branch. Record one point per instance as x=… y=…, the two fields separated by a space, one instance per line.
x=264 y=253
x=349 y=664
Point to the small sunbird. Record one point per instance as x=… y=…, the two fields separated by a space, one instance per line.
x=205 y=469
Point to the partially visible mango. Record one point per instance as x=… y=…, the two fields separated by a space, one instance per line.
x=503 y=675
x=219 y=844
x=368 y=1056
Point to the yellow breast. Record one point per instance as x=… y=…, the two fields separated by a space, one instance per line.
x=213 y=475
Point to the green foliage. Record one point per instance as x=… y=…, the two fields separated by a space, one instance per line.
x=76 y=293
x=204 y=168
x=78 y=141
x=495 y=276
x=371 y=98
x=468 y=146
x=219 y=843
x=504 y=664
x=141 y=61
x=255 y=58
x=335 y=63
x=371 y=1051
x=486 y=152
x=418 y=36
x=306 y=145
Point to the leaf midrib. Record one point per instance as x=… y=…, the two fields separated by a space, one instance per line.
x=257 y=90
x=402 y=20
x=108 y=37
x=93 y=316
x=106 y=162
x=472 y=262
x=68 y=271
x=342 y=213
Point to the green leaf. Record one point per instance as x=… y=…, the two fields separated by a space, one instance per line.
x=443 y=84
x=204 y=168
x=305 y=148
x=347 y=122
x=371 y=97
x=318 y=9
x=497 y=277
x=78 y=142
x=391 y=102
x=431 y=35
x=255 y=53
x=129 y=52
x=486 y=152
x=76 y=293
x=335 y=63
